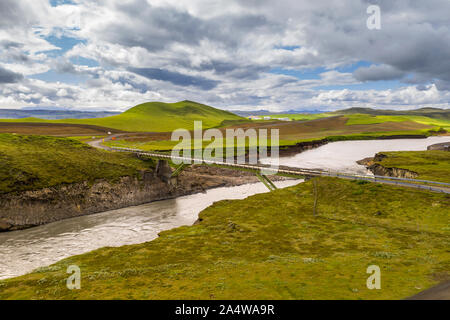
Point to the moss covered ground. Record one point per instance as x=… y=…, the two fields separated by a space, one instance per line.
x=29 y=162
x=272 y=246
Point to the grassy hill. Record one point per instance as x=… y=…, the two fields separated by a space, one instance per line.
x=272 y=246
x=35 y=162
x=156 y=117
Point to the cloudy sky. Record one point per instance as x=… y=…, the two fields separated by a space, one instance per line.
x=232 y=54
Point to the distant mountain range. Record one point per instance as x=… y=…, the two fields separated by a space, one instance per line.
x=53 y=114
x=58 y=114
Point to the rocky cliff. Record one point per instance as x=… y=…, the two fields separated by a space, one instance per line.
x=375 y=166
x=445 y=146
x=32 y=208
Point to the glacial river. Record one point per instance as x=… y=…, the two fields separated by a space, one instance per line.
x=25 y=250
x=342 y=156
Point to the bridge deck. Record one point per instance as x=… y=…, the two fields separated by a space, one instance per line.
x=299 y=172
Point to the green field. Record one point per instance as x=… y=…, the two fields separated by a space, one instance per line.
x=356 y=119
x=430 y=165
x=272 y=246
x=156 y=117
x=36 y=162
x=297 y=116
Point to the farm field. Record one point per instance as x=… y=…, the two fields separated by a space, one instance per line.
x=54 y=129
x=290 y=133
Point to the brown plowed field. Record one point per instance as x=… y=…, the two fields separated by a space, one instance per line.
x=54 y=129
x=298 y=130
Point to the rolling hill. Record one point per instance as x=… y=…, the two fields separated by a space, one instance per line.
x=156 y=117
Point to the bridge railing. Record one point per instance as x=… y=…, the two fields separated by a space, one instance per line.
x=293 y=171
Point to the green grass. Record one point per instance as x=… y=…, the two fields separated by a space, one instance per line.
x=167 y=145
x=35 y=162
x=157 y=117
x=355 y=119
x=430 y=165
x=297 y=116
x=271 y=246
x=87 y=138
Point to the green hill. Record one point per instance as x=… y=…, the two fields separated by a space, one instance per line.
x=156 y=117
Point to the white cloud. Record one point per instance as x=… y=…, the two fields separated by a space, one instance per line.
x=221 y=52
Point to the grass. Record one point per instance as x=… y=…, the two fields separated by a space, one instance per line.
x=296 y=116
x=36 y=162
x=271 y=246
x=156 y=117
x=356 y=119
x=87 y=138
x=167 y=145
x=430 y=165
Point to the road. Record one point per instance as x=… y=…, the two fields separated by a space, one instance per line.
x=99 y=142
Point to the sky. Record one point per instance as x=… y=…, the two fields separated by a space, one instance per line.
x=231 y=54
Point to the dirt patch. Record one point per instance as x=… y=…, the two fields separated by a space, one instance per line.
x=54 y=129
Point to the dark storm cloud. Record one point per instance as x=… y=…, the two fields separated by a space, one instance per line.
x=377 y=73
x=7 y=44
x=175 y=78
x=155 y=28
x=10 y=12
x=233 y=70
x=7 y=76
x=414 y=37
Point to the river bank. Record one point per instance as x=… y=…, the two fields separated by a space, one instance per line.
x=21 y=210
x=426 y=165
x=268 y=246
x=343 y=156
x=23 y=251
x=289 y=150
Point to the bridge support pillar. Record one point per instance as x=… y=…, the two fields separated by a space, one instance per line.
x=266 y=181
x=163 y=170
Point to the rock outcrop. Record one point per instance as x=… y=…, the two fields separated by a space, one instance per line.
x=373 y=164
x=445 y=146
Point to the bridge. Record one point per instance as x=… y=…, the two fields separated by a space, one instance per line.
x=262 y=171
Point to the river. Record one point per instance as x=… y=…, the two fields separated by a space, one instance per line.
x=25 y=250
x=342 y=156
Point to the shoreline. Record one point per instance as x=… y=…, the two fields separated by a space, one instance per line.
x=30 y=209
